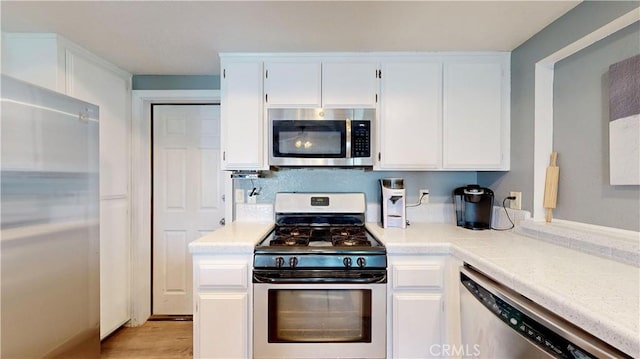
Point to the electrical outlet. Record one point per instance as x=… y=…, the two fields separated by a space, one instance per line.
x=515 y=203
x=239 y=196
x=423 y=196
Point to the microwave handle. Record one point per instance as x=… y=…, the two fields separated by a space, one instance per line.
x=348 y=137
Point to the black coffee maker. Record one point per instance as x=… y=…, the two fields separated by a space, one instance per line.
x=474 y=206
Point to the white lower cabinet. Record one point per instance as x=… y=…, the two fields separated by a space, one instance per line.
x=223 y=325
x=417 y=324
x=418 y=300
x=222 y=306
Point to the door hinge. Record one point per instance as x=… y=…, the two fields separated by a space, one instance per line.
x=379 y=74
x=223 y=197
x=196 y=307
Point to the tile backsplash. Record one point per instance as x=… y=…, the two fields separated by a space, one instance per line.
x=440 y=184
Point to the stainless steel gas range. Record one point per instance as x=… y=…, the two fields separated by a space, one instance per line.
x=320 y=281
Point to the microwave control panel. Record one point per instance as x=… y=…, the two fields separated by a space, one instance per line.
x=360 y=139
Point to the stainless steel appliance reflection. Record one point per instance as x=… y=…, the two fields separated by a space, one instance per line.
x=319 y=281
x=49 y=224
x=497 y=322
x=321 y=137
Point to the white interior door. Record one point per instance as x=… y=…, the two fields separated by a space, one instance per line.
x=187 y=197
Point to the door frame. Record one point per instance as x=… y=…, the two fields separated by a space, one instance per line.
x=141 y=210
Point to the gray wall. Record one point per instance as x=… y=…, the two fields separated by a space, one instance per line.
x=175 y=82
x=580 y=21
x=581 y=135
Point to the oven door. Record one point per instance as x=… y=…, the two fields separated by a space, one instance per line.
x=319 y=320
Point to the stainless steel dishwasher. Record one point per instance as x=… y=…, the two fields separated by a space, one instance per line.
x=500 y=323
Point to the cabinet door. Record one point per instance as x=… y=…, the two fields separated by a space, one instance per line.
x=221 y=325
x=346 y=84
x=115 y=267
x=410 y=116
x=474 y=114
x=33 y=58
x=90 y=81
x=292 y=84
x=241 y=111
x=417 y=325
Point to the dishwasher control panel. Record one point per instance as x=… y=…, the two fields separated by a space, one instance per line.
x=526 y=326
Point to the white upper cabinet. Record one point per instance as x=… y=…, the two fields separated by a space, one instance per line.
x=34 y=58
x=476 y=131
x=349 y=84
x=243 y=129
x=292 y=83
x=410 y=116
x=313 y=82
x=89 y=81
x=435 y=111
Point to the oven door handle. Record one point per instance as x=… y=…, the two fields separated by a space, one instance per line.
x=370 y=279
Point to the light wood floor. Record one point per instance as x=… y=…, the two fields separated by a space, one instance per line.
x=153 y=340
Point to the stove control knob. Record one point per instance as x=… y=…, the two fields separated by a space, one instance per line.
x=279 y=262
x=347 y=262
x=361 y=262
x=293 y=262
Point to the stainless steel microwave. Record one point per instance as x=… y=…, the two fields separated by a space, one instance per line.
x=321 y=137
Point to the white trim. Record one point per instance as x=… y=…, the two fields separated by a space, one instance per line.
x=543 y=102
x=141 y=189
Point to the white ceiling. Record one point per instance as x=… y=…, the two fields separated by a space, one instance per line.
x=185 y=37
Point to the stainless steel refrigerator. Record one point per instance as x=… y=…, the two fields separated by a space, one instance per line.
x=49 y=214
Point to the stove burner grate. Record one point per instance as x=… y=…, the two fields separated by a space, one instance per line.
x=350 y=242
x=290 y=241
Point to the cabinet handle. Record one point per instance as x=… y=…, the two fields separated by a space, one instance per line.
x=266 y=74
x=379 y=157
x=376 y=98
x=224 y=155
x=266 y=97
x=224 y=73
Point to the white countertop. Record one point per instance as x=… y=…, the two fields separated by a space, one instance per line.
x=235 y=237
x=600 y=295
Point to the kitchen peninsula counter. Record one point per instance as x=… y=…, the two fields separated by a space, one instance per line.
x=600 y=295
x=235 y=237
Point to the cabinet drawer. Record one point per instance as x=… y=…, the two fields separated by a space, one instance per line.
x=222 y=275
x=418 y=276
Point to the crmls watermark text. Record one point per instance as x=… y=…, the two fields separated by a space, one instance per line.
x=452 y=350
